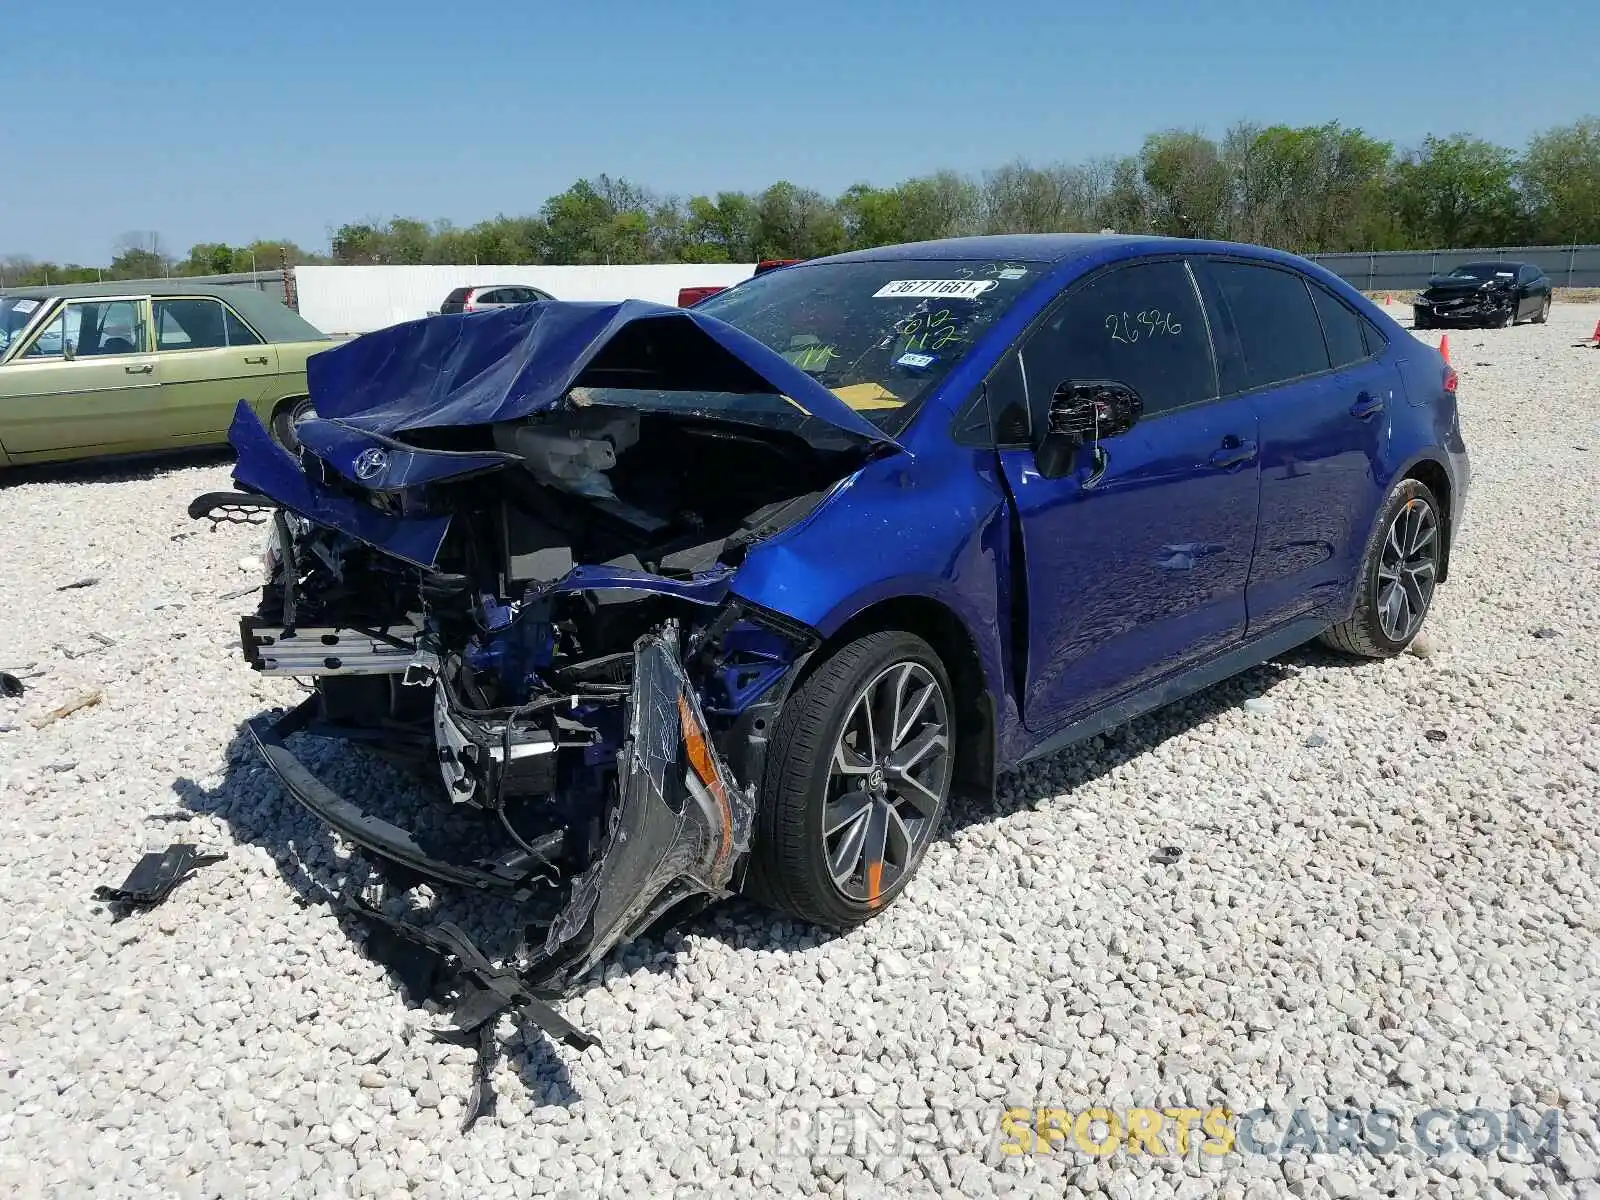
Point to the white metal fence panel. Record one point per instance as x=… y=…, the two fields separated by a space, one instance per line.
x=342 y=300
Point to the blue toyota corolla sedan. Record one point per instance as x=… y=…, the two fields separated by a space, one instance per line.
x=670 y=603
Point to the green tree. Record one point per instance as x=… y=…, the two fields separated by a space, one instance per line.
x=797 y=222
x=1457 y=192
x=1561 y=180
x=722 y=230
x=1187 y=184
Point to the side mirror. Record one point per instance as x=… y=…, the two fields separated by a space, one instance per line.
x=1082 y=413
x=69 y=350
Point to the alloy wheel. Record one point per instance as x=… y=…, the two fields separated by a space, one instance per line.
x=888 y=780
x=1407 y=570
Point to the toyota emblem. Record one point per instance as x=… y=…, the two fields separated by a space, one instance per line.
x=371 y=463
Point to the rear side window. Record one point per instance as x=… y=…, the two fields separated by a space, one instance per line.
x=1140 y=325
x=239 y=334
x=1277 y=327
x=1341 y=328
x=189 y=325
x=1376 y=340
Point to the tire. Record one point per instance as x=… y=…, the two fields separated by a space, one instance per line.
x=1544 y=312
x=1420 y=322
x=285 y=417
x=1374 y=630
x=794 y=856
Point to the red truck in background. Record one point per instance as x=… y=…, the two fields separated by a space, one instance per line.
x=693 y=295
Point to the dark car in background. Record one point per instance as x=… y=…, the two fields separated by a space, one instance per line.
x=476 y=299
x=1484 y=293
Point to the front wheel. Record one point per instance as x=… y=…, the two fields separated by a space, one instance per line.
x=285 y=417
x=1398 y=576
x=856 y=781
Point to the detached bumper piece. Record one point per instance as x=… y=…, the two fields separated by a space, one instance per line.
x=680 y=826
x=515 y=873
x=242 y=508
x=155 y=875
x=442 y=962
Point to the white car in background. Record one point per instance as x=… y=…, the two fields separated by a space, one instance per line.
x=476 y=299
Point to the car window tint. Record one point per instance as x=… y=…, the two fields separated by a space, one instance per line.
x=1277 y=325
x=239 y=334
x=189 y=324
x=92 y=329
x=1139 y=325
x=1340 y=327
x=1376 y=341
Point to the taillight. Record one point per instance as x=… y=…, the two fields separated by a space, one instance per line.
x=1449 y=379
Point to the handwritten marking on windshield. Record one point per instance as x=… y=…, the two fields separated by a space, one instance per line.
x=1148 y=324
x=928 y=331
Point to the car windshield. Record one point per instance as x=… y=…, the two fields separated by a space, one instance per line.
x=1484 y=270
x=880 y=335
x=15 y=313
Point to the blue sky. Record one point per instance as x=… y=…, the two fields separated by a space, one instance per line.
x=225 y=122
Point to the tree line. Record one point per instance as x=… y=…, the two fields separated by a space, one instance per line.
x=1311 y=189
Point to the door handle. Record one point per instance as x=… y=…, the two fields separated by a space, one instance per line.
x=1233 y=453
x=1366 y=405
x=143 y=370
x=259 y=360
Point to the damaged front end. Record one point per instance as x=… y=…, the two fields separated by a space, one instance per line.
x=536 y=609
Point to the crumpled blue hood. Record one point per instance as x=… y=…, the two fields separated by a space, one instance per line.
x=501 y=365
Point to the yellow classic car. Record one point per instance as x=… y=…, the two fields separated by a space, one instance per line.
x=130 y=368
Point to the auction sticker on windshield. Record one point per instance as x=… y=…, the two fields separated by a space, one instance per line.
x=940 y=289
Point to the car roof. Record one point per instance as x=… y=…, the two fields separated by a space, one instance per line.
x=269 y=317
x=1021 y=247
x=1058 y=248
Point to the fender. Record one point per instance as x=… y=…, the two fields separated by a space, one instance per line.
x=1431 y=456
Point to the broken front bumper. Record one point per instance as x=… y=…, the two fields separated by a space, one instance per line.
x=675 y=831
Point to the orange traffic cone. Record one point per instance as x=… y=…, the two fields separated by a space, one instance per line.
x=1597 y=335
x=1444 y=347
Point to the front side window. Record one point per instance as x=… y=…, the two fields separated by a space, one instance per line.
x=1279 y=334
x=91 y=329
x=879 y=334
x=1139 y=325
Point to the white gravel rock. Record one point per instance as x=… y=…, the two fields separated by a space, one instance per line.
x=1360 y=915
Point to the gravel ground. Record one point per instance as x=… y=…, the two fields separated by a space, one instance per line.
x=1362 y=914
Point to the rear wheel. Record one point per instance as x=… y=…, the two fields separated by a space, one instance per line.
x=856 y=782
x=286 y=416
x=1544 y=312
x=1398 y=576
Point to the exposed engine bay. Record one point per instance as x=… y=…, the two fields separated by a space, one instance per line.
x=572 y=670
